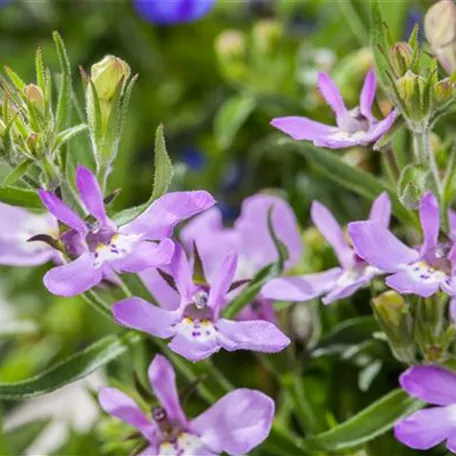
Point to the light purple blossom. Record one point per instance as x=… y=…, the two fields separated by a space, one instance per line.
x=17 y=226
x=101 y=248
x=422 y=271
x=427 y=428
x=195 y=327
x=235 y=424
x=355 y=127
x=339 y=282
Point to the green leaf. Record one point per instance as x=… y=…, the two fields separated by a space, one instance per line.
x=65 y=135
x=163 y=172
x=20 y=197
x=15 y=79
x=17 y=173
x=354 y=179
x=413 y=182
x=17 y=440
x=40 y=70
x=230 y=118
x=368 y=424
x=71 y=369
x=378 y=43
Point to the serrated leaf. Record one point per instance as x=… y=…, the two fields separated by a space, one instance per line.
x=71 y=369
x=368 y=424
x=20 y=197
x=230 y=118
x=17 y=173
x=163 y=172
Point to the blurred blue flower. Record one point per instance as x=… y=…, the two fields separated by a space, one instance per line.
x=414 y=16
x=166 y=12
x=193 y=158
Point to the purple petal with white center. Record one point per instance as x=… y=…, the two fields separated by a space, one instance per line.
x=145 y=255
x=430 y=222
x=164 y=294
x=301 y=288
x=237 y=423
x=136 y=313
x=368 y=94
x=256 y=244
x=426 y=428
x=332 y=232
x=342 y=140
x=408 y=281
x=158 y=221
x=194 y=350
x=151 y=450
x=221 y=283
x=379 y=247
x=163 y=381
x=73 y=278
x=91 y=193
x=381 y=210
x=331 y=94
x=432 y=384
x=302 y=128
x=259 y=335
x=182 y=274
x=121 y=406
x=62 y=212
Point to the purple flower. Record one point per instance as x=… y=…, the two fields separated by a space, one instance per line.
x=251 y=241
x=166 y=12
x=355 y=127
x=17 y=226
x=195 y=327
x=235 y=424
x=336 y=283
x=427 y=428
x=102 y=248
x=420 y=271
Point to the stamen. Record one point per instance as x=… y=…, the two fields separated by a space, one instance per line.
x=200 y=300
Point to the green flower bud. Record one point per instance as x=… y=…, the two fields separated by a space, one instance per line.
x=266 y=35
x=35 y=95
x=443 y=90
x=390 y=306
x=440 y=30
x=408 y=86
x=107 y=74
x=230 y=47
x=401 y=58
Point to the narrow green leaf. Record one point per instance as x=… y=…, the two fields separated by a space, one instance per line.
x=20 y=197
x=64 y=98
x=281 y=248
x=17 y=440
x=93 y=112
x=73 y=368
x=230 y=118
x=371 y=422
x=17 y=173
x=378 y=43
x=40 y=70
x=354 y=179
x=163 y=172
x=15 y=79
x=65 y=135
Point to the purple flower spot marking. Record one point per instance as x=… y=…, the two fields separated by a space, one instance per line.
x=196 y=334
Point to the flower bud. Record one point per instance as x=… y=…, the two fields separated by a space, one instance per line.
x=35 y=95
x=440 y=30
x=443 y=90
x=107 y=74
x=230 y=47
x=401 y=58
x=408 y=86
x=390 y=306
x=266 y=35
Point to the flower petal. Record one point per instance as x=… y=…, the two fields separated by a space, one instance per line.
x=432 y=384
x=193 y=350
x=368 y=94
x=407 y=282
x=302 y=128
x=62 y=212
x=164 y=294
x=301 y=288
x=136 y=313
x=91 y=193
x=163 y=381
x=381 y=210
x=430 y=222
x=259 y=335
x=379 y=247
x=73 y=278
x=236 y=423
x=425 y=428
x=332 y=232
x=182 y=274
x=331 y=94
x=159 y=220
x=380 y=128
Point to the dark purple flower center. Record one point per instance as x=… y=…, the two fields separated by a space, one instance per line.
x=354 y=121
x=169 y=430
x=437 y=258
x=198 y=309
x=99 y=235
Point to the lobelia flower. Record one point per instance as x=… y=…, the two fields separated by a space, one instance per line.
x=195 y=327
x=422 y=271
x=355 y=127
x=339 y=282
x=101 y=248
x=427 y=428
x=167 y=12
x=235 y=424
x=250 y=239
x=17 y=226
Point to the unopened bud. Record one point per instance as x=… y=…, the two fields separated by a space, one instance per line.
x=230 y=44
x=107 y=74
x=401 y=58
x=35 y=95
x=390 y=306
x=266 y=35
x=408 y=86
x=440 y=30
x=443 y=90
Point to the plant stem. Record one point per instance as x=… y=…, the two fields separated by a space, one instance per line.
x=98 y=303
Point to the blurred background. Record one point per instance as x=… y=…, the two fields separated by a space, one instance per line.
x=215 y=83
